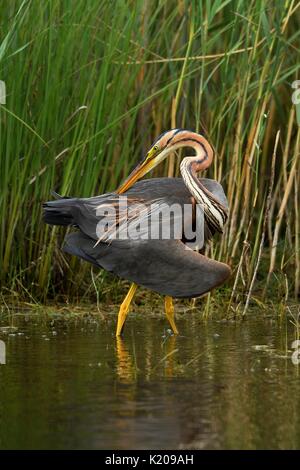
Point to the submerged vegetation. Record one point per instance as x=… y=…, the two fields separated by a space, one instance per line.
x=90 y=84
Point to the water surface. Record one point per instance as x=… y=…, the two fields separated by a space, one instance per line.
x=68 y=384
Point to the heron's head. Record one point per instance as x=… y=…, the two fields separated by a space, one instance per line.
x=166 y=143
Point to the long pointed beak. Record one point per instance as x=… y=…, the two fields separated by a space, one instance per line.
x=140 y=170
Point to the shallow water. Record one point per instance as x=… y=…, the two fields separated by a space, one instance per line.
x=70 y=385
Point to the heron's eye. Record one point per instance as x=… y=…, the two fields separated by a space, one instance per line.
x=156 y=148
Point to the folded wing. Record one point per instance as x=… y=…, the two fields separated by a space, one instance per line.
x=164 y=266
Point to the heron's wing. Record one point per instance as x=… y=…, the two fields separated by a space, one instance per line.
x=165 y=218
x=157 y=188
x=166 y=206
x=133 y=208
x=164 y=266
x=87 y=213
x=216 y=189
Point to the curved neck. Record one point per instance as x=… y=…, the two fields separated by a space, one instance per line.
x=203 y=151
x=215 y=213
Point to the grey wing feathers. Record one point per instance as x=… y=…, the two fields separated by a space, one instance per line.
x=156 y=188
x=164 y=266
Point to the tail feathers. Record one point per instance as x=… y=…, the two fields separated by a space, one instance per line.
x=58 y=212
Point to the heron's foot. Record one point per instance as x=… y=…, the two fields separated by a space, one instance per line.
x=124 y=309
x=169 y=309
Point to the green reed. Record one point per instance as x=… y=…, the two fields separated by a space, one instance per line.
x=91 y=83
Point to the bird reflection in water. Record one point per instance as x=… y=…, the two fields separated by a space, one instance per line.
x=127 y=367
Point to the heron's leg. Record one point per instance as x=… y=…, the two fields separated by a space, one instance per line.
x=124 y=309
x=169 y=309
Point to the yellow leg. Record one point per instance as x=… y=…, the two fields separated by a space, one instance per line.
x=169 y=309
x=124 y=309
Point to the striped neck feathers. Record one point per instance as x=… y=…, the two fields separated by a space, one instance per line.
x=215 y=213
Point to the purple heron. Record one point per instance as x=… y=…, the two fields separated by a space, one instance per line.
x=167 y=266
